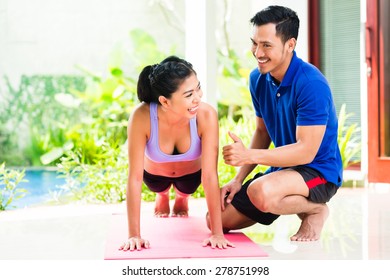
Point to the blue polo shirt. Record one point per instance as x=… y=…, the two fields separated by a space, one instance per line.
x=302 y=98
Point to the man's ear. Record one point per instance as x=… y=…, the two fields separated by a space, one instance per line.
x=291 y=43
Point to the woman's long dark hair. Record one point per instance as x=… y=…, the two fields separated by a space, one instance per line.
x=163 y=78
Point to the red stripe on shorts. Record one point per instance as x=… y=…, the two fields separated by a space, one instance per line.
x=315 y=182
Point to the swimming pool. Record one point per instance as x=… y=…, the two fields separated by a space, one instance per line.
x=40 y=188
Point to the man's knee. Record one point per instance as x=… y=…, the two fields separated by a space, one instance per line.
x=260 y=196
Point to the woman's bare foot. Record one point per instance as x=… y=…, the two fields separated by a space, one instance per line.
x=180 y=208
x=161 y=210
x=311 y=226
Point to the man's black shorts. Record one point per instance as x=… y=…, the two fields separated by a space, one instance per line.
x=320 y=191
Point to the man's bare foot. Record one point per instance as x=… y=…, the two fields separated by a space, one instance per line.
x=311 y=226
x=161 y=210
x=180 y=208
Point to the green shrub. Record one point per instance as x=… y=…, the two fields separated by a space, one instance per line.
x=28 y=129
x=102 y=182
x=349 y=145
x=9 y=190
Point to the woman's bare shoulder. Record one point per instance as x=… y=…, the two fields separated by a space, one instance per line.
x=139 y=118
x=206 y=113
x=207 y=118
x=140 y=111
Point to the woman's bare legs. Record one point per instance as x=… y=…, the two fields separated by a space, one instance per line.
x=180 y=208
x=162 y=209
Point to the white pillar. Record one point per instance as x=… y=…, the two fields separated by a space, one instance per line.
x=201 y=48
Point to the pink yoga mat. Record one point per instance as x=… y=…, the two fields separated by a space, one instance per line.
x=176 y=238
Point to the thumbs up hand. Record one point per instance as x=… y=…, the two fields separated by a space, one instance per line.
x=235 y=153
x=234 y=137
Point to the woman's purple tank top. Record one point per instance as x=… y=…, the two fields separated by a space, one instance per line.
x=152 y=150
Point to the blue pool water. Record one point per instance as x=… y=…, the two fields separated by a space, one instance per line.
x=39 y=187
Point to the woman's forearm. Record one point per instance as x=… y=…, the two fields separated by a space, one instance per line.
x=133 y=202
x=212 y=192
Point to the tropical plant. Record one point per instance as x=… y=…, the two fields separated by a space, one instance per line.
x=9 y=190
x=102 y=182
x=349 y=144
x=11 y=114
x=28 y=130
x=233 y=90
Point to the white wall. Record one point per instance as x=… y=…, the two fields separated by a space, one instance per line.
x=51 y=36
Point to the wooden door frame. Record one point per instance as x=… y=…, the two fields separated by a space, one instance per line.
x=314 y=32
x=378 y=166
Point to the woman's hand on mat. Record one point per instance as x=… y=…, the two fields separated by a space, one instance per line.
x=134 y=243
x=217 y=241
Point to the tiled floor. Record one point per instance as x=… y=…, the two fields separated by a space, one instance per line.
x=342 y=237
x=358 y=228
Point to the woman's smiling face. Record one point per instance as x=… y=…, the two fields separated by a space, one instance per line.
x=185 y=101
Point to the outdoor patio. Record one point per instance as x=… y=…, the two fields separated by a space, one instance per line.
x=358 y=228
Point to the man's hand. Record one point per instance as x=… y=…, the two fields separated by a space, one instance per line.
x=234 y=154
x=228 y=191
